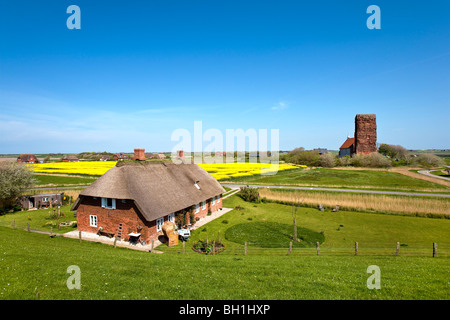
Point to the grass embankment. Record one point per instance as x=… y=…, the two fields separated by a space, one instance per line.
x=393 y=204
x=339 y=178
x=35 y=266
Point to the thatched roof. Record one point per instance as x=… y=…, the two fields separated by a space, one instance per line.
x=157 y=189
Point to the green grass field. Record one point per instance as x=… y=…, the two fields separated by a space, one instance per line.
x=54 y=180
x=375 y=232
x=322 y=177
x=34 y=266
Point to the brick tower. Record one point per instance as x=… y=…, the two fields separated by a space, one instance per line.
x=365 y=133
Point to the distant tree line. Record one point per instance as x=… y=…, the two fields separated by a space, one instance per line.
x=387 y=156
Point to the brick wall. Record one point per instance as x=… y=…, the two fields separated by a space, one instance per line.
x=127 y=214
x=365 y=133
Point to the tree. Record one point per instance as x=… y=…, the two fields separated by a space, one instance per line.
x=14 y=179
x=429 y=160
x=327 y=160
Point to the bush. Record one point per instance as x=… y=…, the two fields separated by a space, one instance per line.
x=249 y=194
x=428 y=160
x=327 y=160
x=372 y=160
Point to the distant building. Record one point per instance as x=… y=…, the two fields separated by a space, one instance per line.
x=105 y=158
x=347 y=148
x=39 y=201
x=365 y=140
x=70 y=158
x=120 y=156
x=160 y=156
x=27 y=158
x=321 y=150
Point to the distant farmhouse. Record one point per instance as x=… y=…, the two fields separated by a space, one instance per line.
x=70 y=158
x=105 y=158
x=321 y=150
x=133 y=200
x=27 y=158
x=120 y=156
x=365 y=140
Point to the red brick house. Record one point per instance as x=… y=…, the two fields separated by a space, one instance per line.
x=138 y=197
x=120 y=156
x=27 y=158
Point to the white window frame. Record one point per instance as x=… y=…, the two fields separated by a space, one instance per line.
x=197 y=207
x=204 y=205
x=171 y=217
x=213 y=201
x=159 y=224
x=93 y=222
x=218 y=198
x=105 y=203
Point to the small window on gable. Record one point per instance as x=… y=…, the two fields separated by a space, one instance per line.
x=108 y=203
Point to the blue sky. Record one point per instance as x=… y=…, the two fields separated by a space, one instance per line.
x=138 y=70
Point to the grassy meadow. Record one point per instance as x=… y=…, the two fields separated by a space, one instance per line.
x=348 y=178
x=376 y=233
x=394 y=204
x=34 y=267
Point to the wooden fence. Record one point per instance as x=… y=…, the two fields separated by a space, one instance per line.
x=358 y=249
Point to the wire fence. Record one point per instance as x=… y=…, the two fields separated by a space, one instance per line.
x=358 y=249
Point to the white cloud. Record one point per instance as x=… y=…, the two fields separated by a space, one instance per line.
x=280 y=106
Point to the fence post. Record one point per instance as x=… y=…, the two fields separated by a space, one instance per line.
x=398 y=249
x=51 y=231
x=115 y=240
x=184 y=247
x=245 y=248
x=214 y=248
x=79 y=235
x=14 y=224
x=290 y=247
x=28 y=226
x=356 y=248
x=153 y=244
x=318 y=249
x=434 y=249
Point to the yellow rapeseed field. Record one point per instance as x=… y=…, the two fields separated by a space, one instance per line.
x=218 y=171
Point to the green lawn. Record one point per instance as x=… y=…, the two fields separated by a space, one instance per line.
x=42 y=219
x=322 y=177
x=34 y=266
x=62 y=180
x=341 y=229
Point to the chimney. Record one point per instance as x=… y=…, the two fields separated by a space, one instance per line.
x=139 y=154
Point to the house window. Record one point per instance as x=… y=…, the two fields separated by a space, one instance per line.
x=171 y=217
x=45 y=199
x=159 y=223
x=218 y=198
x=213 y=202
x=93 y=221
x=204 y=205
x=197 y=208
x=108 y=203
